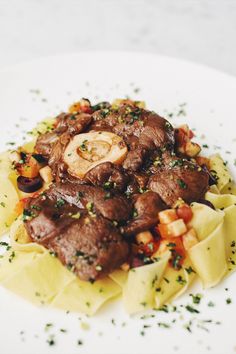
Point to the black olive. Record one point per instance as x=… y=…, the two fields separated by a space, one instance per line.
x=29 y=185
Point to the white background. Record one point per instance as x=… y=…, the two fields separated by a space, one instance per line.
x=202 y=30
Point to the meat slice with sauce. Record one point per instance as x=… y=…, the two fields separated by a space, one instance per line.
x=146 y=209
x=142 y=130
x=88 y=244
x=179 y=178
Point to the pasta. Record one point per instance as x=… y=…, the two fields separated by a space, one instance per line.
x=139 y=290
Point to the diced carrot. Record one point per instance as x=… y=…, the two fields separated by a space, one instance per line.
x=19 y=208
x=75 y=107
x=185 y=212
x=190 y=239
x=167 y=216
x=163 y=230
x=30 y=168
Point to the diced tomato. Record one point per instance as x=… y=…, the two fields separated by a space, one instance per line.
x=163 y=230
x=86 y=109
x=184 y=212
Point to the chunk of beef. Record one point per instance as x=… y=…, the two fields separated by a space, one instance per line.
x=109 y=176
x=146 y=207
x=45 y=142
x=66 y=125
x=95 y=199
x=179 y=178
x=135 y=159
x=47 y=217
x=142 y=130
x=90 y=246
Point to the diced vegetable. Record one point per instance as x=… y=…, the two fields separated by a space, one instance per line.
x=192 y=149
x=183 y=137
x=184 y=212
x=83 y=105
x=29 y=168
x=125 y=267
x=46 y=174
x=190 y=239
x=175 y=246
x=19 y=208
x=174 y=229
x=144 y=237
x=167 y=216
x=150 y=248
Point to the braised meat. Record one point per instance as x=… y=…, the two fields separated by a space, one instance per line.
x=179 y=178
x=91 y=247
x=88 y=244
x=108 y=176
x=146 y=209
x=65 y=123
x=142 y=130
x=95 y=199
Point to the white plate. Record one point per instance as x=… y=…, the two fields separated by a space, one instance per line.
x=32 y=91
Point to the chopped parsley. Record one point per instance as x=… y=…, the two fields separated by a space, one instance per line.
x=189 y=270
x=5 y=244
x=196 y=298
x=163 y=325
x=180 y=280
x=182 y=184
x=60 y=202
x=191 y=309
x=11 y=257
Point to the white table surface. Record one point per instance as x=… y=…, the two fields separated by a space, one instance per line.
x=203 y=30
